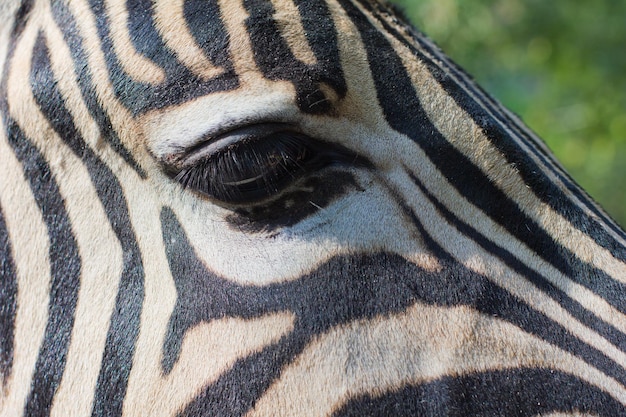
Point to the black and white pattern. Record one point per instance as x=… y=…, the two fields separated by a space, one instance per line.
x=285 y=208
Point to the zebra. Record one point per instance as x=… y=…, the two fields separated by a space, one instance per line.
x=285 y=208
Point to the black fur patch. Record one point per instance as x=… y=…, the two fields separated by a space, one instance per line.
x=503 y=393
x=8 y=302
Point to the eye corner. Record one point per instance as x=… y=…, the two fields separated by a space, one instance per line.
x=169 y=164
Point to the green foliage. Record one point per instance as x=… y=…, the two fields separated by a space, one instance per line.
x=560 y=65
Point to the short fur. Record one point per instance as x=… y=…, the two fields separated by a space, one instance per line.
x=285 y=207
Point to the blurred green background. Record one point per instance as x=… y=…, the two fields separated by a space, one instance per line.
x=560 y=65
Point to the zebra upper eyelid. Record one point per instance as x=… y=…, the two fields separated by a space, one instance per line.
x=198 y=148
x=170 y=131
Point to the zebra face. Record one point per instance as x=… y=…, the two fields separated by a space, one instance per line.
x=285 y=207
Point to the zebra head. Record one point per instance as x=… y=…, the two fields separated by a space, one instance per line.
x=285 y=207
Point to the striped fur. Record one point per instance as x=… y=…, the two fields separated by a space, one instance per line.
x=424 y=254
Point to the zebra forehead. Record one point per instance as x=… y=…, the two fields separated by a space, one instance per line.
x=176 y=51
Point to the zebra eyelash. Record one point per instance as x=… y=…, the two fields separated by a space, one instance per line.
x=252 y=164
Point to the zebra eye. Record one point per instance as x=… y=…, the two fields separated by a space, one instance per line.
x=250 y=164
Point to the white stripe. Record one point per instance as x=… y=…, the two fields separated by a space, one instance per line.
x=470 y=254
x=121 y=119
x=171 y=24
x=287 y=18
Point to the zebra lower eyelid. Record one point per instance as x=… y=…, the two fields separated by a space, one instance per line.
x=347 y=224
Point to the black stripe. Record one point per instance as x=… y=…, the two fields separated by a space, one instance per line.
x=65 y=267
x=124 y=325
x=592 y=321
x=67 y=25
x=275 y=59
x=462 y=77
x=21 y=17
x=65 y=262
x=180 y=84
x=205 y=25
x=8 y=302
x=344 y=289
x=398 y=100
x=548 y=192
x=64 y=271
x=515 y=392
x=321 y=33
x=144 y=36
x=125 y=88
